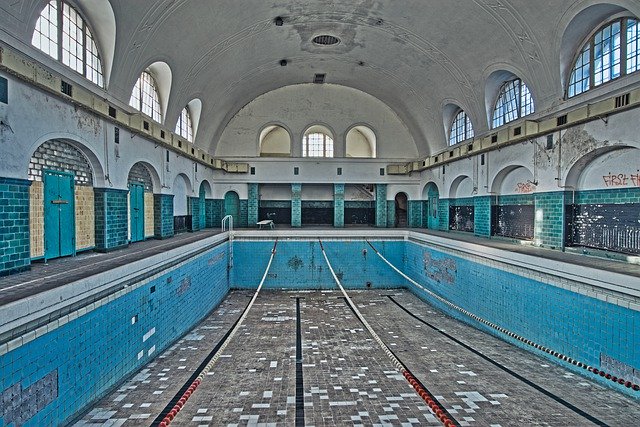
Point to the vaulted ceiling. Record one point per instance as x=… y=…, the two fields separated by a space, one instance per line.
x=417 y=56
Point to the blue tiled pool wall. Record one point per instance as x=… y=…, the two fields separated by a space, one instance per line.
x=54 y=376
x=581 y=327
x=301 y=265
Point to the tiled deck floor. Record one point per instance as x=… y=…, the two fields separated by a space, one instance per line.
x=348 y=380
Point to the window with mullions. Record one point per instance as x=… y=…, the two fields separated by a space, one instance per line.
x=514 y=101
x=461 y=128
x=63 y=34
x=184 y=128
x=317 y=144
x=144 y=96
x=611 y=52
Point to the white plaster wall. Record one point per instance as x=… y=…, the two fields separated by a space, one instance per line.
x=552 y=169
x=275 y=192
x=612 y=170
x=300 y=106
x=317 y=192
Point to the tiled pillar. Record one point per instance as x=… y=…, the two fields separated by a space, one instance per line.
x=391 y=213
x=338 y=205
x=415 y=213
x=482 y=216
x=381 y=205
x=15 y=252
x=112 y=225
x=163 y=215
x=244 y=212
x=253 y=203
x=443 y=214
x=549 y=220
x=195 y=214
x=296 y=205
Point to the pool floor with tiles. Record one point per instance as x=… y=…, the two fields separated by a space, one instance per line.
x=346 y=377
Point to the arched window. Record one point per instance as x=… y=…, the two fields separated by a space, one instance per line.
x=144 y=96
x=317 y=143
x=461 y=128
x=611 y=52
x=514 y=101
x=184 y=127
x=64 y=35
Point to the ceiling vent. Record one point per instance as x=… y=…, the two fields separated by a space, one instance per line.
x=325 y=40
x=319 y=78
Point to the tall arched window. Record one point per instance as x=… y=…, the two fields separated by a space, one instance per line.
x=514 y=101
x=317 y=142
x=64 y=35
x=610 y=52
x=144 y=96
x=184 y=127
x=461 y=128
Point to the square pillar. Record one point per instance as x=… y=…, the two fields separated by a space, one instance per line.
x=443 y=214
x=381 y=205
x=253 y=204
x=162 y=216
x=415 y=213
x=338 y=205
x=112 y=218
x=214 y=212
x=482 y=216
x=194 y=208
x=296 y=205
x=15 y=244
x=549 y=219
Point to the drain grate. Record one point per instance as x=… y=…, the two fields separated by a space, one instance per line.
x=326 y=40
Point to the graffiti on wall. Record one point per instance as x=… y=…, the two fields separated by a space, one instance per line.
x=525 y=187
x=440 y=270
x=621 y=180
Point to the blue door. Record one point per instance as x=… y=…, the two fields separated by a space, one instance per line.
x=203 y=207
x=232 y=206
x=59 y=214
x=136 y=214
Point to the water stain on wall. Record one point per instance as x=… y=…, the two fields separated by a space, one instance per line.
x=440 y=270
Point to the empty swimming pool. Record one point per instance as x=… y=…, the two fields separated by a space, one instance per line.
x=359 y=330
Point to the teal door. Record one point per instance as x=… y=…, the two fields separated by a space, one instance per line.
x=59 y=214
x=232 y=206
x=136 y=213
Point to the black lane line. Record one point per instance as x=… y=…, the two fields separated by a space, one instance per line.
x=197 y=372
x=453 y=420
x=504 y=368
x=299 y=378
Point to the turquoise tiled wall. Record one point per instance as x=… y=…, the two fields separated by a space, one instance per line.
x=14 y=225
x=443 y=214
x=576 y=325
x=549 y=219
x=162 y=215
x=195 y=214
x=481 y=216
x=296 y=205
x=381 y=205
x=516 y=199
x=214 y=209
x=606 y=196
x=391 y=213
x=111 y=216
x=252 y=205
x=244 y=215
x=338 y=205
x=301 y=265
x=94 y=352
x=415 y=213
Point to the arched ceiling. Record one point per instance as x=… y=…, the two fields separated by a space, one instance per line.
x=416 y=56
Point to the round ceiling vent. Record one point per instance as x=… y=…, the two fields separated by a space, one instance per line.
x=326 y=40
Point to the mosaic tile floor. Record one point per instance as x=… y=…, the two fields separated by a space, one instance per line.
x=347 y=378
